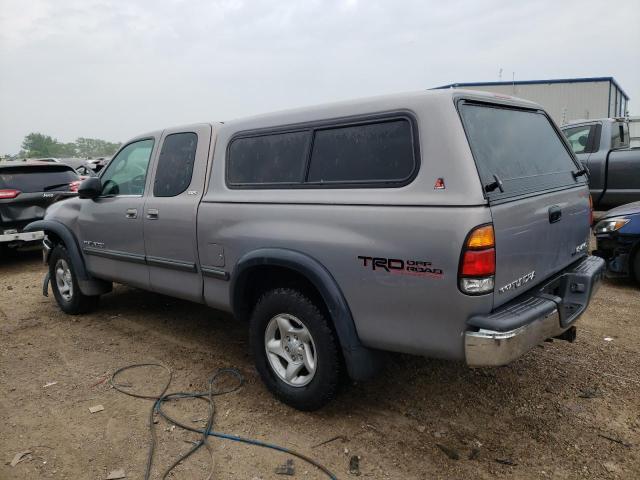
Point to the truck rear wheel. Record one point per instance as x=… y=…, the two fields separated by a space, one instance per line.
x=64 y=284
x=295 y=350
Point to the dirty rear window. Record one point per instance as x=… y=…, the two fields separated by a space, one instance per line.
x=265 y=159
x=520 y=147
x=37 y=179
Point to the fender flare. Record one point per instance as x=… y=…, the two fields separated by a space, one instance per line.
x=88 y=285
x=361 y=362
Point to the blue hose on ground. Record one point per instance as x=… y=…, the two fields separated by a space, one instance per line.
x=206 y=432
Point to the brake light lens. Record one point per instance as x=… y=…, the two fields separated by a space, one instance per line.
x=478 y=261
x=590 y=210
x=6 y=194
x=73 y=186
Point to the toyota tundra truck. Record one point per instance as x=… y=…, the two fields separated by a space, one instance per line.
x=448 y=224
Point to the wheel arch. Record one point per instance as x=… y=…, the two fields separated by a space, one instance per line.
x=88 y=285
x=361 y=362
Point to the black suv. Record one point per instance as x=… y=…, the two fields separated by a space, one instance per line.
x=27 y=188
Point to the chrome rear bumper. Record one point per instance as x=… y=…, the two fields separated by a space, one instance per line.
x=488 y=348
x=547 y=311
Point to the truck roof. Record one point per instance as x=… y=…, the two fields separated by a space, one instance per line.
x=378 y=103
x=345 y=108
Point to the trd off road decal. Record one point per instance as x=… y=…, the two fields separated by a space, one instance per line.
x=401 y=267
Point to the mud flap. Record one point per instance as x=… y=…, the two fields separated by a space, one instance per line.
x=45 y=285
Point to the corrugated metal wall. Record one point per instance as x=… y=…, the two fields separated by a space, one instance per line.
x=565 y=101
x=617 y=103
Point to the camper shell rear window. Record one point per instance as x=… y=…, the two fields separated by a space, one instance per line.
x=518 y=147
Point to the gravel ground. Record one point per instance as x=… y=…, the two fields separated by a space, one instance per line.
x=565 y=411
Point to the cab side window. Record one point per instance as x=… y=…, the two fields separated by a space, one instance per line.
x=578 y=138
x=175 y=164
x=127 y=172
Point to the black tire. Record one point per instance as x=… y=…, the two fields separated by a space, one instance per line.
x=328 y=372
x=76 y=302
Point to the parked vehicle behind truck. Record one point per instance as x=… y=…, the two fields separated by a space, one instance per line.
x=618 y=241
x=450 y=224
x=603 y=147
x=26 y=190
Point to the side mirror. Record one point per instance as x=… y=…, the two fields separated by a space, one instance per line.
x=90 y=188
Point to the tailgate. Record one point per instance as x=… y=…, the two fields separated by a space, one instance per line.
x=532 y=243
x=540 y=208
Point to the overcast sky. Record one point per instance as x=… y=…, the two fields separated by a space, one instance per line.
x=114 y=69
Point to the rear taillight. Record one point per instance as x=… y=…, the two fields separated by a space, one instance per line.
x=478 y=261
x=73 y=186
x=5 y=194
x=590 y=210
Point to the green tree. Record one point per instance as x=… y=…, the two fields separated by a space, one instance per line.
x=95 y=147
x=39 y=145
x=65 y=150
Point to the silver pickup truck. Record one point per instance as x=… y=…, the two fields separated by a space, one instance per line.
x=450 y=224
x=603 y=147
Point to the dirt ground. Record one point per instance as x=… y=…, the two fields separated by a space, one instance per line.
x=565 y=411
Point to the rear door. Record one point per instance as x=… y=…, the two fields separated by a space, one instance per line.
x=170 y=212
x=540 y=211
x=27 y=190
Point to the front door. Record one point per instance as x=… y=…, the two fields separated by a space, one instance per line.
x=170 y=212
x=111 y=226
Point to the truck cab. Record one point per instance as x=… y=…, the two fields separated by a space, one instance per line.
x=603 y=147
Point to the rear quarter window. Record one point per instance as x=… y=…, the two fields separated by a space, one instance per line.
x=520 y=147
x=175 y=164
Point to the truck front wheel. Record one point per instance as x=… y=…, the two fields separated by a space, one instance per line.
x=295 y=350
x=64 y=284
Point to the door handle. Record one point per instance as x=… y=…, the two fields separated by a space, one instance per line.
x=152 y=214
x=555 y=213
x=131 y=213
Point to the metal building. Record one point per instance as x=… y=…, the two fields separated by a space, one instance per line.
x=565 y=99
